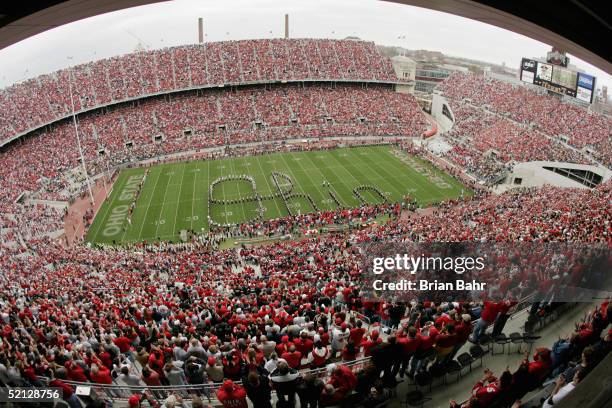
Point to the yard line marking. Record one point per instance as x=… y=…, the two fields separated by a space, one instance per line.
x=179 y=196
x=240 y=195
x=208 y=209
x=193 y=199
x=315 y=185
x=144 y=220
x=372 y=166
x=161 y=212
x=296 y=180
x=265 y=177
x=326 y=178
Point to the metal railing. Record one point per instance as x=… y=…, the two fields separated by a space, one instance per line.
x=119 y=391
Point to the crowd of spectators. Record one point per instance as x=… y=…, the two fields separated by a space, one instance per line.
x=194 y=316
x=186 y=315
x=501 y=115
x=44 y=99
x=211 y=119
x=487 y=144
x=566 y=362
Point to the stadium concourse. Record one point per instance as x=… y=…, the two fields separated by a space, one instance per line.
x=186 y=316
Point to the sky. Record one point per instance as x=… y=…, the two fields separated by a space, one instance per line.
x=175 y=23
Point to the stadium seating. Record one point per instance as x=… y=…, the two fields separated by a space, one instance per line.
x=521 y=124
x=38 y=101
x=77 y=313
x=54 y=151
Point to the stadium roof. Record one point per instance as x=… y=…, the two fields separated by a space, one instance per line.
x=580 y=27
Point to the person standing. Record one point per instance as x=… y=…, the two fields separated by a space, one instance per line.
x=488 y=315
x=284 y=380
x=258 y=390
x=232 y=395
x=500 y=322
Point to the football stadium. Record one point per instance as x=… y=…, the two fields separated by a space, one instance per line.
x=314 y=220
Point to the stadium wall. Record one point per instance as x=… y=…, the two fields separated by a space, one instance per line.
x=442 y=112
x=535 y=174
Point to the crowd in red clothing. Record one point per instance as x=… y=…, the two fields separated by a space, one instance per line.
x=81 y=313
x=212 y=118
x=519 y=124
x=45 y=99
x=188 y=315
x=569 y=360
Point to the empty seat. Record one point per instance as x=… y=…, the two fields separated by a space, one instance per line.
x=423 y=379
x=502 y=340
x=453 y=368
x=477 y=352
x=515 y=338
x=415 y=399
x=466 y=360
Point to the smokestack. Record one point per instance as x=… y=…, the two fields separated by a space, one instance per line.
x=201 y=30
x=286 y=25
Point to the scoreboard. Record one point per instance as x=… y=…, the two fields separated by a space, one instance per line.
x=558 y=79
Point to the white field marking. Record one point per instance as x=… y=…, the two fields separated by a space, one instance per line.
x=149 y=205
x=268 y=184
x=371 y=168
x=193 y=199
x=316 y=185
x=162 y=207
x=295 y=179
x=179 y=196
x=240 y=195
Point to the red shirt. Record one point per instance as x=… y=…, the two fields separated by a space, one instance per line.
x=539 y=369
x=409 y=345
x=304 y=346
x=427 y=342
x=152 y=380
x=235 y=398
x=489 y=311
x=67 y=389
x=368 y=344
x=503 y=307
x=123 y=343
x=103 y=376
x=446 y=340
x=463 y=331
x=357 y=335
x=293 y=359
x=485 y=394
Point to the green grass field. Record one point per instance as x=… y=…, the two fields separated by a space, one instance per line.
x=174 y=196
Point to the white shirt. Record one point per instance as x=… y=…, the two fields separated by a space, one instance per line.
x=563 y=391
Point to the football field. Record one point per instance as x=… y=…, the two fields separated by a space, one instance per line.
x=156 y=203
